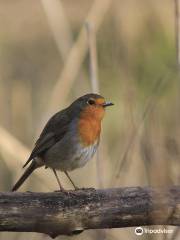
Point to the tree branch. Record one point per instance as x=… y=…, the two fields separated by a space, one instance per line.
x=74 y=211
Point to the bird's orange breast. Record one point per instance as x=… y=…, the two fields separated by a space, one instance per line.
x=90 y=125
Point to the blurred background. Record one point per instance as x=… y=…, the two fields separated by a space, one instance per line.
x=44 y=66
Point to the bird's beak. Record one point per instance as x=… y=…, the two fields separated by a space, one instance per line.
x=107 y=104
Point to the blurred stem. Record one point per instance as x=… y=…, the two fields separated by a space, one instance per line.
x=93 y=70
x=177 y=39
x=91 y=35
x=14 y=152
x=59 y=25
x=177 y=30
x=151 y=102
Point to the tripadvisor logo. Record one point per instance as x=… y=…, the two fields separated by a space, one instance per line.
x=139 y=231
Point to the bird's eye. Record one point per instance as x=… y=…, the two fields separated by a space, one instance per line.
x=91 y=101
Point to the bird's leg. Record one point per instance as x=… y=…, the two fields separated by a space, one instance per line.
x=60 y=186
x=75 y=187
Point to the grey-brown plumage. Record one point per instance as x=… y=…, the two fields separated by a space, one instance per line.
x=59 y=145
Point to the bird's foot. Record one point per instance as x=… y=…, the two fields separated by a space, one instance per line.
x=90 y=189
x=61 y=190
x=76 y=188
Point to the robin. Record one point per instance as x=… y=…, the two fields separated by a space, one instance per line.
x=69 y=139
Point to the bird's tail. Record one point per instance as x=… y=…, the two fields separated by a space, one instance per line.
x=25 y=175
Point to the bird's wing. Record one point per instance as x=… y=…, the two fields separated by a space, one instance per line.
x=54 y=131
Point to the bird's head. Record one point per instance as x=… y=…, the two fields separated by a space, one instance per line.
x=89 y=109
x=91 y=105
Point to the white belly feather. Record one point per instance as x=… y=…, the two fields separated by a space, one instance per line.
x=69 y=160
x=84 y=154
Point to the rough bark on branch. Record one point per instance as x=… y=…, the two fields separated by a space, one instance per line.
x=72 y=212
